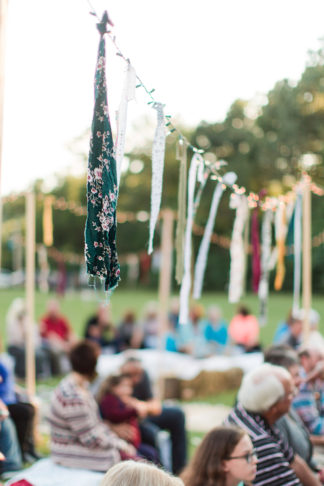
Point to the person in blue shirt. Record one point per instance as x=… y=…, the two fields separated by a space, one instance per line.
x=21 y=413
x=282 y=330
x=216 y=329
x=191 y=336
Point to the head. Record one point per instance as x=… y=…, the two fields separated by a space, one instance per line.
x=214 y=314
x=103 y=313
x=267 y=390
x=313 y=316
x=17 y=310
x=119 y=385
x=309 y=357
x=196 y=313
x=83 y=358
x=151 y=310
x=175 y=306
x=243 y=310
x=53 y=308
x=287 y=358
x=133 y=368
x=296 y=327
x=131 y=473
x=225 y=456
x=129 y=317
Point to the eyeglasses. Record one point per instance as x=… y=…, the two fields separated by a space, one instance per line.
x=248 y=456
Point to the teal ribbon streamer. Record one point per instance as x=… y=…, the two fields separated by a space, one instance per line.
x=102 y=192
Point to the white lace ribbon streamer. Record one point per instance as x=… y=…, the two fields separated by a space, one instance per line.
x=157 y=171
x=201 y=262
x=266 y=240
x=237 y=252
x=128 y=94
x=196 y=162
x=182 y=197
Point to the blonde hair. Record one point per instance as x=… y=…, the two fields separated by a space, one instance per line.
x=131 y=473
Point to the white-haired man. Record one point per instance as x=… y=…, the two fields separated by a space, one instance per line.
x=265 y=395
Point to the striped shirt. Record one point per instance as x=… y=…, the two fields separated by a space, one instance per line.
x=274 y=454
x=309 y=404
x=79 y=438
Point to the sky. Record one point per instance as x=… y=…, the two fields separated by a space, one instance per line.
x=199 y=57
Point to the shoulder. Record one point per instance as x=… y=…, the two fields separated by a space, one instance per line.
x=247 y=421
x=68 y=392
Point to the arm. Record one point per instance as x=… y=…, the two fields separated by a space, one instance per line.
x=317 y=440
x=112 y=410
x=305 y=405
x=304 y=473
x=83 y=420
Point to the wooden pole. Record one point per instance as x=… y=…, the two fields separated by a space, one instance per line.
x=30 y=292
x=165 y=287
x=165 y=271
x=3 y=30
x=307 y=256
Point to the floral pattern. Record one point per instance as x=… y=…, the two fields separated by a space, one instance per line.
x=102 y=192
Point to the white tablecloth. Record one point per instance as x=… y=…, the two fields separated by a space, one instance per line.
x=46 y=473
x=159 y=363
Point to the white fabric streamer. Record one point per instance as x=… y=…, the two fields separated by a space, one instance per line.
x=237 y=253
x=157 y=170
x=266 y=240
x=128 y=94
x=201 y=262
x=297 y=250
x=196 y=162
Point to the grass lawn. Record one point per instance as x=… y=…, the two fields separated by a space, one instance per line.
x=79 y=306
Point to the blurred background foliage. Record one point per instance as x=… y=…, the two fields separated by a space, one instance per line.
x=263 y=141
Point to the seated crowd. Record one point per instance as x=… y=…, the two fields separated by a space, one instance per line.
x=274 y=433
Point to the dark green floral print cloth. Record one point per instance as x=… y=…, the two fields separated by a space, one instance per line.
x=102 y=192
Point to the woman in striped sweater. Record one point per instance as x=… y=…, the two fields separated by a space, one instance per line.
x=79 y=438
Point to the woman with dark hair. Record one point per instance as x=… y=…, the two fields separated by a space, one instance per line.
x=79 y=437
x=224 y=458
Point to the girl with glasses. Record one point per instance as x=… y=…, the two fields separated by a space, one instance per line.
x=224 y=458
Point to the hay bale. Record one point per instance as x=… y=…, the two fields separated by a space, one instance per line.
x=209 y=383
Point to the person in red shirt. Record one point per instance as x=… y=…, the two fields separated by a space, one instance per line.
x=57 y=337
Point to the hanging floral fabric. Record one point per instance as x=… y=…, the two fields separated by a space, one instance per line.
x=182 y=194
x=266 y=240
x=201 y=262
x=157 y=171
x=237 y=252
x=128 y=94
x=100 y=231
x=194 y=172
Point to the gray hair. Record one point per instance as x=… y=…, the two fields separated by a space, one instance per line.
x=262 y=387
x=131 y=473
